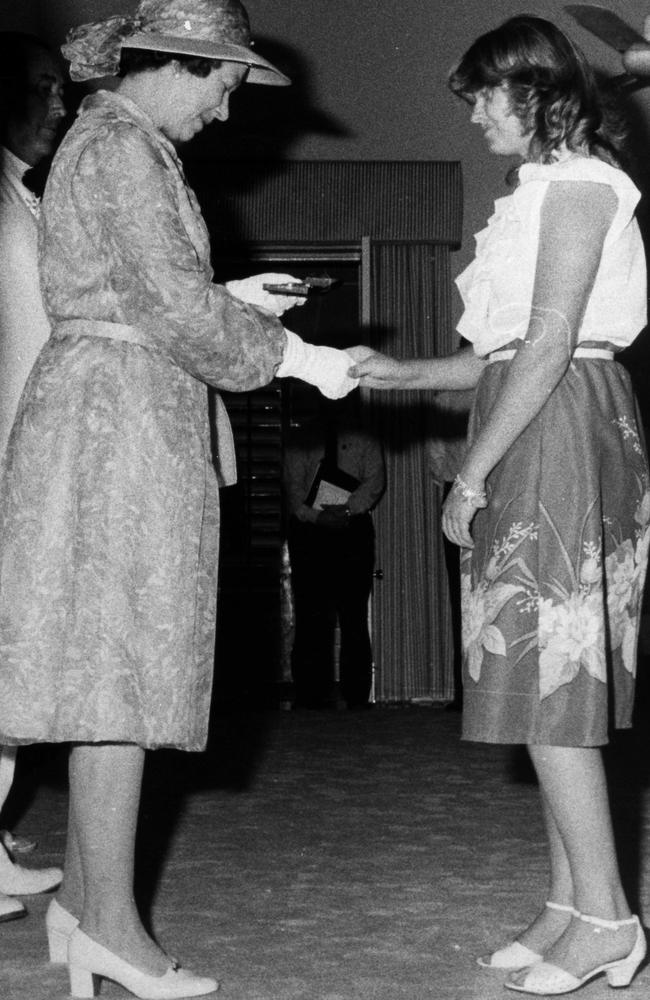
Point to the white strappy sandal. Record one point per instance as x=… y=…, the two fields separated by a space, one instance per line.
x=515 y=955
x=546 y=979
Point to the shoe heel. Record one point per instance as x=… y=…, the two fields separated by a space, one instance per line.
x=58 y=946
x=84 y=984
x=623 y=974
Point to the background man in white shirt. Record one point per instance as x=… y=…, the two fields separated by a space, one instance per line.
x=332 y=551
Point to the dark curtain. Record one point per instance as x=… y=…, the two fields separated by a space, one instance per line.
x=409 y=315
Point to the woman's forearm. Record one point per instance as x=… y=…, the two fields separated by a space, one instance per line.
x=531 y=379
x=460 y=370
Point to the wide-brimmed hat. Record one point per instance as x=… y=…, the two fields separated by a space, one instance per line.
x=211 y=29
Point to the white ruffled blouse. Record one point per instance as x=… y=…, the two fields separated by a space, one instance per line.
x=497 y=287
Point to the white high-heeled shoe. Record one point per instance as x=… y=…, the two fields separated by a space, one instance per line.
x=59 y=924
x=545 y=979
x=11 y=909
x=89 y=961
x=515 y=956
x=18 y=881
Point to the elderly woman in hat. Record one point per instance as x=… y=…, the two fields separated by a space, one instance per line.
x=109 y=502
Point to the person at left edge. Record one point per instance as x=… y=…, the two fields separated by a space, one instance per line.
x=109 y=513
x=31 y=113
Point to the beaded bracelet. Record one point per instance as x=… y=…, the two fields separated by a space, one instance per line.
x=467 y=493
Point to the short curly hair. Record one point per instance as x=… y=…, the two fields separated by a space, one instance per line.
x=552 y=88
x=16 y=52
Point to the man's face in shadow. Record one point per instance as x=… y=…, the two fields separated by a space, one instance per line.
x=33 y=128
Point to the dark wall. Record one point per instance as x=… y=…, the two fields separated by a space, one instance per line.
x=370 y=81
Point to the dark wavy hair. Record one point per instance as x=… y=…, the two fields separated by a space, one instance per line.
x=552 y=88
x=141 y=60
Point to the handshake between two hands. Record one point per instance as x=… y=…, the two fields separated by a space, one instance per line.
x=369 y=367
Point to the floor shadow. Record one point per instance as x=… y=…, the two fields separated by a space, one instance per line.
x=37 y=765
x=236 y=743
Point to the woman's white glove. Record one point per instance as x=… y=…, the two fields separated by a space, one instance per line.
x=250 y=290
x=325 y=367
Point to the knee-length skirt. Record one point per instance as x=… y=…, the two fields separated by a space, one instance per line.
x=552 y=591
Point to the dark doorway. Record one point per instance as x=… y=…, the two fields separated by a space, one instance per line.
x=254 y=617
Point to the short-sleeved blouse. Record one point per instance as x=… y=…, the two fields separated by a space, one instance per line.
x=497 y=287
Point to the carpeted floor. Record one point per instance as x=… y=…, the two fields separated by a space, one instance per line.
x=332 y=856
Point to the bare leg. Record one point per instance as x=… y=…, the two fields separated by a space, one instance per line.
x=71 y=893
x=550 y=924
x=9 y=908
x=7 y=768
x=573 y=784
x=14 y=879
x=105 y=782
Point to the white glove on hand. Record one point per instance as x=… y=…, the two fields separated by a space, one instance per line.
x=325 y=367
x=250 y=290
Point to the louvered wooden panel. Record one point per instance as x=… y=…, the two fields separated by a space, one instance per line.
x=326 y=201
x=256 y=419
x=248 y=636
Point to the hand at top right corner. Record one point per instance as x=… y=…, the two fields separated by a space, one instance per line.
x=637 y=58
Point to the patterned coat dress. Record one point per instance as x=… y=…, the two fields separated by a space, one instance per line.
x=109 y=498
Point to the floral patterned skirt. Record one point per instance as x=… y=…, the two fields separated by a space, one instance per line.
x=552 y=590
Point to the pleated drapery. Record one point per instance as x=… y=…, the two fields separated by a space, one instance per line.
x=409 y=315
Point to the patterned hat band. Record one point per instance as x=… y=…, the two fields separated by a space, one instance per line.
x=211 y=29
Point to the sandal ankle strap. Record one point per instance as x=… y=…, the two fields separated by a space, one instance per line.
x=562 y=908
x=610 y=925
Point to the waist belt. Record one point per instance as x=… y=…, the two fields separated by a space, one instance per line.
x=224 y=442
x=98 y=328
x=580 y=352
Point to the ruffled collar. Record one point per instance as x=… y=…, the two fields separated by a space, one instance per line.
x=579 y=168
